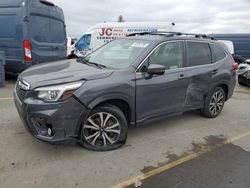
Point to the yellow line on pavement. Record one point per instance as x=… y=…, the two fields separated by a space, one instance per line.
x=168 y=166
x=6 y=98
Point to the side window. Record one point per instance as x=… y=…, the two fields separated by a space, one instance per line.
x=218 y=53
x=199 y=53
x=169 y=54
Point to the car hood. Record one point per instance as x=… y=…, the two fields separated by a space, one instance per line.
x=61 y=72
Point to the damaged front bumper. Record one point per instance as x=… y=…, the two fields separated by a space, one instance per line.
x=53 y=123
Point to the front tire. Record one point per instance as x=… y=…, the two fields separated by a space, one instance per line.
x=214 y=103
x=104 y=129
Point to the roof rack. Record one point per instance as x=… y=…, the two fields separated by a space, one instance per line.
x=172 y=34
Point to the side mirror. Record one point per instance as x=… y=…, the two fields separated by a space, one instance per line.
x=156 y=69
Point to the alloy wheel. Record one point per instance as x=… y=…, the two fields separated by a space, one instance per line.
x=102 y=129
x=216 y=103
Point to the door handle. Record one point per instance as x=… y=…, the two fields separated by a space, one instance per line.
x=214 y=71
x=181 y=76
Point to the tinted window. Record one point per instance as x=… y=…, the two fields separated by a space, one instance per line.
x=199 y=53
x=57 y=31
x=7 y=26
x=218 y=53
x=169 y=54
x=39 y=28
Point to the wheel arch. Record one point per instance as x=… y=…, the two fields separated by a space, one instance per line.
x=225 y=89
x=119 y=101
x=224 y=86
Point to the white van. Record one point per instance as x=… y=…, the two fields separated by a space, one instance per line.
x=103 y=33
x=70 y=45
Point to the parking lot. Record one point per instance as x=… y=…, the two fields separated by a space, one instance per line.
x=182 y=151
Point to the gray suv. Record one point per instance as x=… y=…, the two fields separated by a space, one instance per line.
x=127 y=82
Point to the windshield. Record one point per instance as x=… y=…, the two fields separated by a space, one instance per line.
x=118 y=54
x=84 y=42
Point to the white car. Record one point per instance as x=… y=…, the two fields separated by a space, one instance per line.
x=244 y=73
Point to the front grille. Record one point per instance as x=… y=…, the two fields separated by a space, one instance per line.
x=20 y=91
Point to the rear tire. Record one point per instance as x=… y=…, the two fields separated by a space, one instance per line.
x=104 y=129
x=214 y=103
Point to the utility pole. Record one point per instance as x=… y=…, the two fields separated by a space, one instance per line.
x=120 y=19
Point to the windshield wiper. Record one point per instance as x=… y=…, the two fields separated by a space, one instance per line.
x=83 y=60
x=98 y=65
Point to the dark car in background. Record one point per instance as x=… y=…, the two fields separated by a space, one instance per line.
x=129 y=81
x=31 y=32
x=244 y=73
x=241 y=45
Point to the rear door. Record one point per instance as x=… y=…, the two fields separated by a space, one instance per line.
x=46 y=32
x=39 y=32
x=199 y=72
x=58 y=33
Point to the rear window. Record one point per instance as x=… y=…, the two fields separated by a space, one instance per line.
x=218 y=53
x=57 y=31
x=47 y=30
x=8 y=26
x=39 y=29
x=199 y=53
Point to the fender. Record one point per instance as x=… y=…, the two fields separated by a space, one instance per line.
x=131 y=103
x=101 y=99
x=222 y=82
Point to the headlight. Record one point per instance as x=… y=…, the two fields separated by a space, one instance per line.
x=57 y=92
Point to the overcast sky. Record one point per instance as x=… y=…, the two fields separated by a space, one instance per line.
x=199 y=16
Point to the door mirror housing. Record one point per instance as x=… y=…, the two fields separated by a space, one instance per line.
x=156 y=69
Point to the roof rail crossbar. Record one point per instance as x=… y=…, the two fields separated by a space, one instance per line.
x=145 y=33
x=172 y=34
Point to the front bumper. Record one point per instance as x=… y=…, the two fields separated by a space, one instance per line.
x=62 y=118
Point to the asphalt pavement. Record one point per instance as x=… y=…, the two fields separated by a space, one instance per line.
x=182 y=151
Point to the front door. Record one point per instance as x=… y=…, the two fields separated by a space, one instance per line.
x=159 y=95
